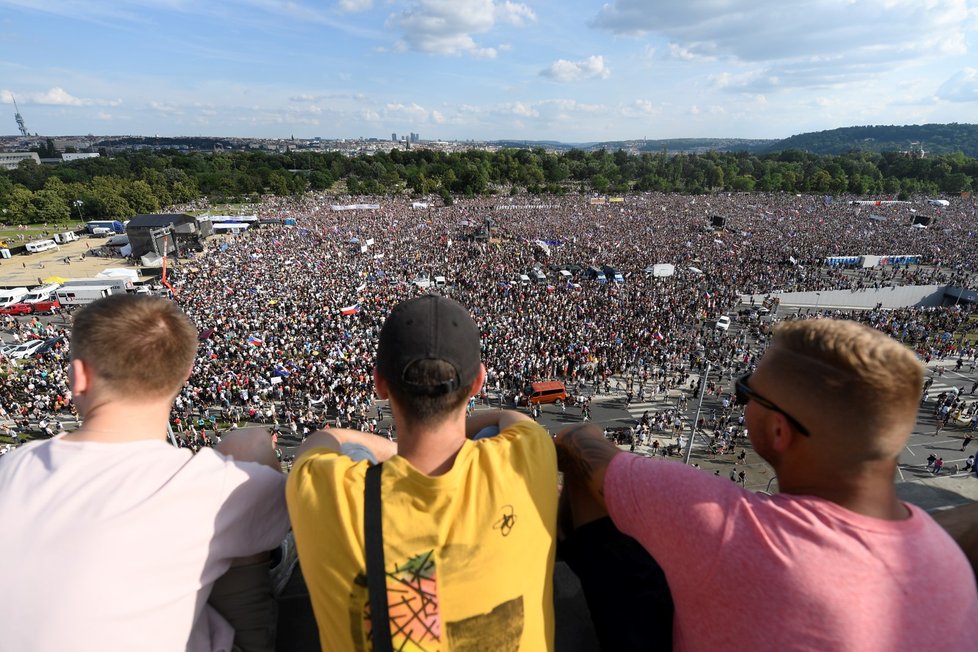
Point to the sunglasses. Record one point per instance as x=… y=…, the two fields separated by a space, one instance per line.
x=744 y=394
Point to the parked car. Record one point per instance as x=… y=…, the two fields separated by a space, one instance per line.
x=17 y=309
x=723 y=323
x=24 y=350
x=49 y=344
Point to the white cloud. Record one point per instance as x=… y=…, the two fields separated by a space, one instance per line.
x=514 y=13
x=524 y=110
x=405 y=112
x=960 y=87
x=169 y=107
x=352 y=6
x=638 y=109
x=484 y=53
x=55 y=96
x=447 y=27
x=677 y=51
x=562 y=70
x=808 y=43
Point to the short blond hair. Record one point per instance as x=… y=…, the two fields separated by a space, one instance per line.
x=862 y=384
x=138 y=345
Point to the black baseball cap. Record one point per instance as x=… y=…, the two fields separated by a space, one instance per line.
x=430 y=327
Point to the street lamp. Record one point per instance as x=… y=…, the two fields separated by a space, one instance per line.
x=78 y=204
x=818 y=300
x=699 y=406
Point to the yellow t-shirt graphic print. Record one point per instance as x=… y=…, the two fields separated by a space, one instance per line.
x=415 y=621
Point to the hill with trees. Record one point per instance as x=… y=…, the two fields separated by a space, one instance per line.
x=931 y=139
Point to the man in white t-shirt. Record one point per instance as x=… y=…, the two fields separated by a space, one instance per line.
x=112 y=537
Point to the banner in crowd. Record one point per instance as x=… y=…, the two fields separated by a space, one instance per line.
x=355 y=207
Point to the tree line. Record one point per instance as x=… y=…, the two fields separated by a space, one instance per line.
x=127 y=184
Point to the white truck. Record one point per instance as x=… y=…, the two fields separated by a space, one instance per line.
x=80 y=295
x=84 y=291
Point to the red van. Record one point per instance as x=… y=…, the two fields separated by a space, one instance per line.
x=548 y=391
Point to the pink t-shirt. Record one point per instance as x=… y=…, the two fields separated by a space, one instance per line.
x=756 y=572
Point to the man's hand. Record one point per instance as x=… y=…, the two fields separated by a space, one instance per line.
x=583 y=454
x=499 y=418
x=333 y=438
x=250 y=445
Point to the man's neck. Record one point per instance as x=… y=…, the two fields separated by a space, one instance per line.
x=431 y=449
x=869 y=491
x=113 y=422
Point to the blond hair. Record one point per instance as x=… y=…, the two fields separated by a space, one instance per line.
x=137 y=345
x=861 y=384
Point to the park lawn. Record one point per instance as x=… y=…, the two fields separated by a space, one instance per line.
x=11 y=235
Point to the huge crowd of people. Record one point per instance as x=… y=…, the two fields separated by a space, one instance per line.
x=289 y=314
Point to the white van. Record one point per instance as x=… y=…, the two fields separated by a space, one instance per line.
x=440 y=282
x=66 y=237
x=41 y=293
x=12 y=296
x=41 y=245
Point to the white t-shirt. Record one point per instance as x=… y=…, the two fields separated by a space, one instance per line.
x=116 y=546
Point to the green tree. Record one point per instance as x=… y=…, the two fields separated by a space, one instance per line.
x=50 y=207
x=140 y=197
x=20 y=206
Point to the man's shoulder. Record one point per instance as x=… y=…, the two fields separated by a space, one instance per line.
x=319 y=464
x=527 y=428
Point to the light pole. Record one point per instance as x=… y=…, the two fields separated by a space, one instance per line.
x=699 y=406
x=818 y=300
x=78 y=204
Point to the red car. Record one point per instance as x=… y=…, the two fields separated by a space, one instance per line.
x=46 y=307
x=17 y=309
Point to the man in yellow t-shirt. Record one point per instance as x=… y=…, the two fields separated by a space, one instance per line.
x=468 y=524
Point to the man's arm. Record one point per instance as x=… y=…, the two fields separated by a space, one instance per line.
x=583 y=454
x=962 y=524
x=333 y=438
x=250 y=445
x=499 y=418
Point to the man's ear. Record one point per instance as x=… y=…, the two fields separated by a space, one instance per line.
x=380 y=385
x=480 y=380
x=79 y=377
x=782 y=433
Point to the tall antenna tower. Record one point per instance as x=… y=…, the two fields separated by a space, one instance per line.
x=19 y=118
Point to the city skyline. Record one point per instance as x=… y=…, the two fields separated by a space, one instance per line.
x=484 y=69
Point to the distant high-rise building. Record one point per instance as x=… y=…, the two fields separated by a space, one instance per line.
x=394 y=137
x=415 y=137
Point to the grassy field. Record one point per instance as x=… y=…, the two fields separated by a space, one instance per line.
x=11 y=235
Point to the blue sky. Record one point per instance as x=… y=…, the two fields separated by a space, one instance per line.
x=564 y=70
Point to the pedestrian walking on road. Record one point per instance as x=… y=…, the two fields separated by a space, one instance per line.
x=967 y=440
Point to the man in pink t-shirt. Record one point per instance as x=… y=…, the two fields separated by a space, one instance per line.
x=833 y=562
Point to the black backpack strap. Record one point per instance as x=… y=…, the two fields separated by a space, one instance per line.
x=373 y=528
